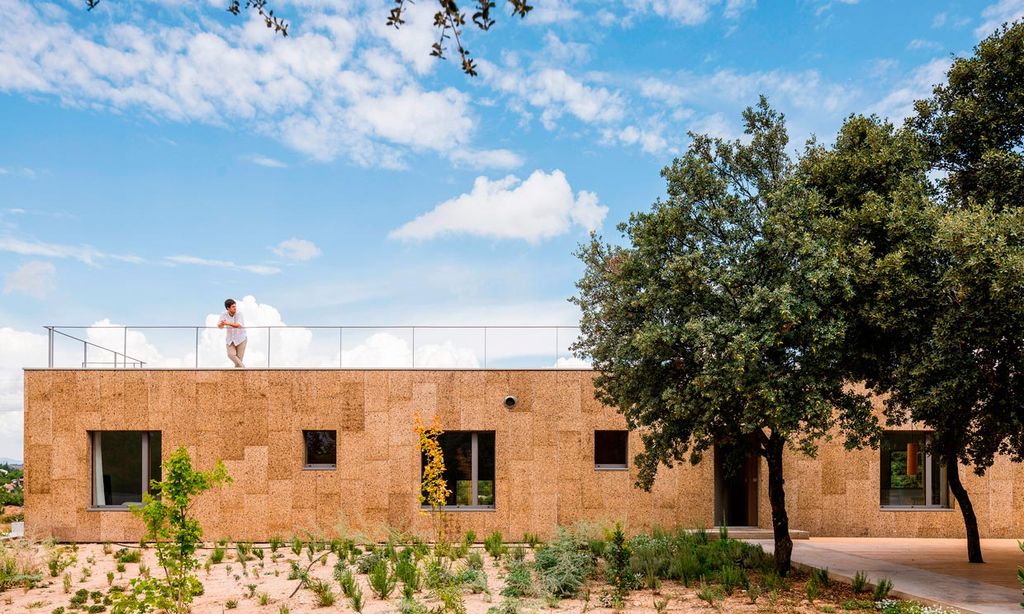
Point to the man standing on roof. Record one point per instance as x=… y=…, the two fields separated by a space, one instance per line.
x=232 y=319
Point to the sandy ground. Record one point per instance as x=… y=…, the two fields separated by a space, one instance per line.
x=227 y=581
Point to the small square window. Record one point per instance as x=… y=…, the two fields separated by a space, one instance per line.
x=321 y=449
x=610 y=449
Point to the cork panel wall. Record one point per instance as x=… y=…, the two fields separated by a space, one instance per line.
x=253 y=421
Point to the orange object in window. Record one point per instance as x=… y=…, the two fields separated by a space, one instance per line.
x=912 y=450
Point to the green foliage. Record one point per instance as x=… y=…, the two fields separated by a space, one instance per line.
x=859 y=582
x=507 y=606
x=474 y=560
x=356 y=598
x=618 y=572
x=410 y=605
x=882 y=589
x=731 y=578
x=347 y=580
x=18 y=566
x=563 y=565
x=59 y=559
x=531 y=539
x=176 y=534
x=473 y=579
x=275 y=543
x=128 y=555
x=321 y=589
x=231 y=604
x=408 y=572
x=709 y=593
x=821 y=576
x=812 y=589
x=217 y=555
x=296 y=546
x=451 y=600
x=438 y=572
x=494 y=545
x=369 y=560
x=723 y=296
x=518 y=580
x=382 y=580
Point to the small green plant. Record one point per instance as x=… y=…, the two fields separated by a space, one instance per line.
x=110 y=578
x=283 y=609
x=217 y=556
x=731 y=578
x=296 y=546
x=531 y=539
x=882 y=589
x=107 y=548
x=494 y=545
x=67 y=583
x=251 y=588
x=356 y=599
x=518 y=581
x=275 y=543
x=242 y=551
x=409 y=574
x=451 y=600
x=382 y=581
x=709 y=593
x=859 y=584
x=264 y=599
x=231 y=604
x=120 y=567
x=60 y=558
x=660 y=605
x=128 y=555
x=812 y=589
x=822 y=577
x=617 y=555
x=321 y=589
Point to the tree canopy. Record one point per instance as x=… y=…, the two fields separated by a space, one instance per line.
x=717 y=321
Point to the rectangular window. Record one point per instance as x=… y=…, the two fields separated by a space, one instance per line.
x=610 y=449
x=321 y=449
x=911 y=477
x=124 y=464
x=468 y=468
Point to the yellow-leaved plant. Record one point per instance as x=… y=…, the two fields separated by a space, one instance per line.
x=434 y=490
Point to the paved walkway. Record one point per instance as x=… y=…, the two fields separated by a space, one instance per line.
x=929 y=570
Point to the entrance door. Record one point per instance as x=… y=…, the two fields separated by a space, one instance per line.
x=736 y=472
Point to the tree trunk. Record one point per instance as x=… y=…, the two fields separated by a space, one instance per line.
x=777 y=496
x=964 y=501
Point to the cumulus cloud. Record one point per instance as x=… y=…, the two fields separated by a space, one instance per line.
x=689 y=12
x=20 y=349
x=36 y=279
x=259 y=269
x=541 y=207
x=995 y=15
x=556 y=93
x=336 y=88
x=265 y=161
x=920 y=43
x=297 y=249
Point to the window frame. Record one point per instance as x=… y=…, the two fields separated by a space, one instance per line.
x=624 y=466
x=945 y=503
x=474 y=475
x=306 y=465
x=96 y=463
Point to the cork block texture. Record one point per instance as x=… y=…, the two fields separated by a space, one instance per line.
x=544 y=457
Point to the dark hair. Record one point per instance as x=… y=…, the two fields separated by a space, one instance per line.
x=228 y=303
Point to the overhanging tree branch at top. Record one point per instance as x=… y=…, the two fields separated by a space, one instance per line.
x=449 y=20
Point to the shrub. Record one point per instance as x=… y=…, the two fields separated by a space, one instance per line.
x=494 y=545
x=17 y=567
x=368 y=561
x=322 y=591
x=217 y=555
x=346 y=580
x=685 y=566
x=128 y=555
x=473 y=579
x=507 y=606
x=59 y=559
x=382 y=581
x=731 y=578
x=563 y=565
x=709 y=593
x=231 y=604
x=474 y=560
x=296 y=546
x=451 y=600
x=356 y=598
x=821 y=576
x=882 y=589
x=275 y=543
x=859 y=582
x=649 y=559
x=438 y=572
x=617 y=554
x=518 y=581
x=410 y=606
x=812 y=589
x=409 y=574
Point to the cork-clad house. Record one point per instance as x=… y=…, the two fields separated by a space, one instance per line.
x=327 y=450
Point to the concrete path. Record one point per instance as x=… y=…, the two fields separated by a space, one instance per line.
x=927 y=570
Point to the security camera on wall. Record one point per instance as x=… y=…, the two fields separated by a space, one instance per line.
x=510 y=402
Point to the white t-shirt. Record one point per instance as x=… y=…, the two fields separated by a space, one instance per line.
x=234 y=335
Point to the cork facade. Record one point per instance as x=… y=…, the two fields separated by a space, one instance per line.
x=543 y=457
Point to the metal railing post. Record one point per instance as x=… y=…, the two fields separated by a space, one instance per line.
x=85 y=354
x=49 y=359
x=197 y=347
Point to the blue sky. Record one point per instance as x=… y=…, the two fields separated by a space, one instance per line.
x=155 y=160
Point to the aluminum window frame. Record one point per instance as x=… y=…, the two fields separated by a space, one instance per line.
x=474 y=476
x=624 y=466
x=306 y=465
x=96 y=469
x=945 y=503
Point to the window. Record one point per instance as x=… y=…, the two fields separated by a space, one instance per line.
x=911 y=476
x=123 y=463
x=321 y=449
x=468 y=468
x=610 y=449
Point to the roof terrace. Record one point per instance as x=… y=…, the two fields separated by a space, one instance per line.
x=315 y=347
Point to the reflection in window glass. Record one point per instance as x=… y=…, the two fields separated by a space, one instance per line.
x=468 y=467
x=610 y=449
x=910 y=475
x=124 y=465
x=321 y=448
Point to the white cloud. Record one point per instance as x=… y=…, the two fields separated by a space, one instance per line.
x=995 y=15
x=83 y=253
x=898 y=104
x=920 y=43
x=11 y=171
x=297 y=249
x=940 y=20
x=689 y=12
x=265 y=161
x=20 y=349
x=336 y=87
x=259 y=269
x=540 y=207
x=551 y=12
x=490 y=158
x=35 y=279
x=556 y=92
